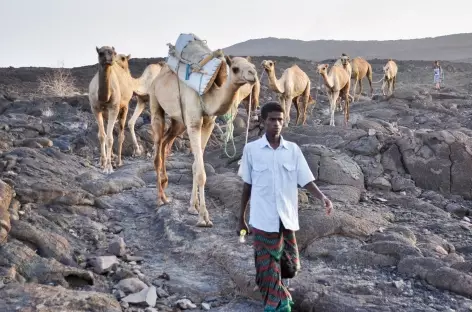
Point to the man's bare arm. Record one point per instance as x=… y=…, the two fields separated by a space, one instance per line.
x=244 y=200
x=314 y=190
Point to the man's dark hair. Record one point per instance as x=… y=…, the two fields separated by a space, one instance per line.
x=271 y=107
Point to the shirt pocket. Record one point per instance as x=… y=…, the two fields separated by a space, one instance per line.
x=290 y=172
x=261 y=174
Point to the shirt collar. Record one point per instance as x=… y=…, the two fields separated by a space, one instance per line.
x=265 y=142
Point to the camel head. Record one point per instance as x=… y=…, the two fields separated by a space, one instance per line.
x=268 y=65
x=106 y=55
x=345 y=59
x=322 y=68
x=242 y=71
x=122 y=61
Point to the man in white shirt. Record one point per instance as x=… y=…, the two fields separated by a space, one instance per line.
x=272 y=169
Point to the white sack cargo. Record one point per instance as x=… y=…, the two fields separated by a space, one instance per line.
x=194 y=63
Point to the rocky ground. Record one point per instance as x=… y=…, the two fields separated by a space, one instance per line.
x=74 y=239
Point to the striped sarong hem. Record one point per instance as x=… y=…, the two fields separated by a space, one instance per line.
x=268 y=250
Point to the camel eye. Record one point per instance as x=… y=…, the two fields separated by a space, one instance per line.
x=123 y=59
x=235 y=70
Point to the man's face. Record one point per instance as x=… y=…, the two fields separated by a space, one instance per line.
x=274 y=122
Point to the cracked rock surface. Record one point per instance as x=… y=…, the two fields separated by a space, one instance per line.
x=74 y=239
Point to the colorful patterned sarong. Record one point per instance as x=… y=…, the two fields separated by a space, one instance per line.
x=268 y=250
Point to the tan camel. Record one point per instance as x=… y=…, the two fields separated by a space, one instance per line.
x=344 y=62
x=245 y=93
x=337 y=82
x=196 y=114
x=293 y=84
x=360 y=69
x=390 y=76
x=140 y=87
x=110 y=91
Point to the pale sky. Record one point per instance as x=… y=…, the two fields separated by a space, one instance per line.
x=47 y=32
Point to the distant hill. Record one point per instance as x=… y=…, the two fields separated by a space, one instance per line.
x=456 y=47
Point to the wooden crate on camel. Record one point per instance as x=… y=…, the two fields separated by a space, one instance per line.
x=195 y=63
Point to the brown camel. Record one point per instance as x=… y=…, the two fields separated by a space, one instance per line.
x=390 y=76
x=141 y=87
x=293 y=84
x=360 y=69
x=188 y=110
x=337 y=82
x=110 y=91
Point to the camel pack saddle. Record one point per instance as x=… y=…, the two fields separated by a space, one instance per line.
x=194 y=63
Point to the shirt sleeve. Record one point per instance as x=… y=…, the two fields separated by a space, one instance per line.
x=304 y=174
x=246 y=166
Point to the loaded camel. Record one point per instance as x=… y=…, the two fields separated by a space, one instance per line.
x=110 y=91
x=140 y=87
x=360 y=69
x=390 y=76
x=337 y=82
x=188 y=111
x=293 y=84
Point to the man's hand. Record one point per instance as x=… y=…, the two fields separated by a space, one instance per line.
x=328 y=205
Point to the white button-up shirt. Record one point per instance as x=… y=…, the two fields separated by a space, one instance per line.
x=274 y=176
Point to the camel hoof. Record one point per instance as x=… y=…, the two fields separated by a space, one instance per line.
x=108 y=169
x=192 y=211
x=137 y=152
x=202 y=223
x=161 y=201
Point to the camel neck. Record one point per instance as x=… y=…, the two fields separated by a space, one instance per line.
x=219 y=100
x=274 y=83
x=104 y=83
x=327 y=80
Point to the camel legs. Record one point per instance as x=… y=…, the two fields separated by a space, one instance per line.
x=158 y=124
x=384 y=83
x=360 y=89
x=175 y=129
x=288 y=106
x=121 y=138
x=346 y=107
x=305 y=102
x=394 y=81
x=112 y=116
x=101 y=137
x=199 y=133
x=140 y=105
x=356 y=80
x=369 y=79
x=332 y=106
x=297 y=107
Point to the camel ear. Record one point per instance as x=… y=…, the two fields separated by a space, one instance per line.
x=98 y=50
x=128 y=56
x=274 y=62
x=228 y=60
x=249 y=59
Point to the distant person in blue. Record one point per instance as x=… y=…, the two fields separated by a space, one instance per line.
x=438 y=74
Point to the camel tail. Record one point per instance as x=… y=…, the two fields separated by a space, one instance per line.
x=369 y=73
